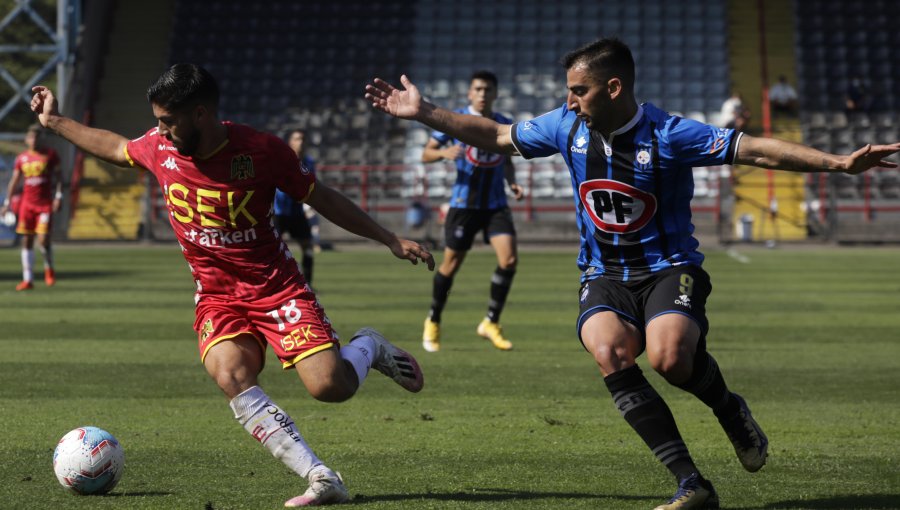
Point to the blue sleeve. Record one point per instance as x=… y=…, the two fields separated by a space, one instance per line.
x=442 y=138
x=539 y=137
x=696 y=144
x=502 y=119
x=282 y=203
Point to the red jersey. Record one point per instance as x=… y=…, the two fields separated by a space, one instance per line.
x=221 y=209
x=37 y=168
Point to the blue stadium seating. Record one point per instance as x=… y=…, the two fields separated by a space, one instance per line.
x=284 y=63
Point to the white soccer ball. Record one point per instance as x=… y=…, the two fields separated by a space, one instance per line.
x=8 y=219
x=88 y=460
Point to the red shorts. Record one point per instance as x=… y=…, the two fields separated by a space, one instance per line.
x=292 y=322
x=34 y=219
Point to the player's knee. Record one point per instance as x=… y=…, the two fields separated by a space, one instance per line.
x=333 y=389
x=612 y=358
x=509 y=264
x=233 y=382
x=672 y=361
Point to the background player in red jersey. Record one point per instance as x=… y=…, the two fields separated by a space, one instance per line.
x=219 y=180
x=38 y=169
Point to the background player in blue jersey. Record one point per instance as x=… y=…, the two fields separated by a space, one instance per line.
x=642 y=285
x=478 y=204
x=290 y=216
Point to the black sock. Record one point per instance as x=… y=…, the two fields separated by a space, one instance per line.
x=307 y=264
x=501 y=281
x=707 y=384
x=651 y=418
x=439 y=293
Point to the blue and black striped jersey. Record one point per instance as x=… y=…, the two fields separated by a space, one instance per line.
x=632 y=191
x=479 y=174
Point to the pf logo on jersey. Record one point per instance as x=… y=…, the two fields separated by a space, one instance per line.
x=616 y=207
x=482 y=158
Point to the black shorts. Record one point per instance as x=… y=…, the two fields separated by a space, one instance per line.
x=461 y=226
x=297 y=226
x=681 y=289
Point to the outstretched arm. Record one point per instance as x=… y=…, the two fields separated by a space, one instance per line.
x=408 y=104
x=344 y=213
x=433 y=152
x=104 y=144
x=782 y=155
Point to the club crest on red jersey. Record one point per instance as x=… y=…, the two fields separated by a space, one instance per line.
x=242 y=167
x=616 y=207
x=206 y=330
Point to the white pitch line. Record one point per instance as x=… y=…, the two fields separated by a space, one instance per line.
x=743 y=259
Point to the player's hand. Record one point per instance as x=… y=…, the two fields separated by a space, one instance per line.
x=453 y=152
x=3 y=209
x=871 y=156
x=56 y=204
x=518 y=191
x=43 y=104
x=411 y=251
x=393 y=101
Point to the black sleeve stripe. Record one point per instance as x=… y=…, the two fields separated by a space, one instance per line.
x=515 y=140
x=732 y=148
x=567 y=153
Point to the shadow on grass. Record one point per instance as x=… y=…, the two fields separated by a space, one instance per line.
x=857 y=502
x=66 y=275
x=486 y=494
x=136 y=494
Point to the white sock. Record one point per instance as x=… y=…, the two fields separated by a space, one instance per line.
x=27 y=264
x=48 y=256
x=360 y=353
x=271 y=426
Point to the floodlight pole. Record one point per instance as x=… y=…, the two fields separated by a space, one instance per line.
x=61 y=54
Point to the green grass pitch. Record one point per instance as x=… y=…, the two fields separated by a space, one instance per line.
x=810 y=336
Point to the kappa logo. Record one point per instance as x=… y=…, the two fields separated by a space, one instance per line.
x=683 y=300
x=579 y=147
x=170 y=164
x=242 y=167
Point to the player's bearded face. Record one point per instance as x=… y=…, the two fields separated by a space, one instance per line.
x=187 y=143
x=178 y=128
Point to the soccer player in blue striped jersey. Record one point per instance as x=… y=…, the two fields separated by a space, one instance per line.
x=642 y=286
x=290 y=215
x=478 y=203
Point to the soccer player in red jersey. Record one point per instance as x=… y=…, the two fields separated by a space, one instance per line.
x=219 y=180
x=38 y=169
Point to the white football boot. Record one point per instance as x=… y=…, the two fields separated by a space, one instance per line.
x=325 y=488
x=393 y=362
